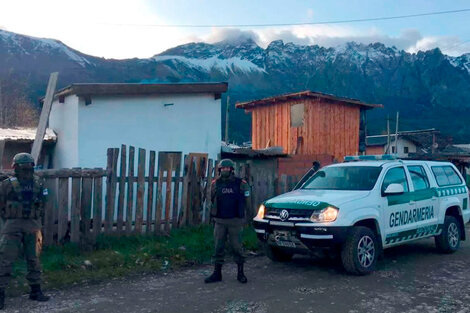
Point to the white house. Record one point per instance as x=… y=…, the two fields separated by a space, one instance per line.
x=378 y=145
x=89 y=118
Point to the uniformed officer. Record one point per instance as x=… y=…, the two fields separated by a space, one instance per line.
x=230 y=199
x=22 y=199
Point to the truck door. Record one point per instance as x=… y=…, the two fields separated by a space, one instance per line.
x=396 y=207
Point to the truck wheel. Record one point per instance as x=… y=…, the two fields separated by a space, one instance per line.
x=360 y=251
x=449 y=240
x=277 y=255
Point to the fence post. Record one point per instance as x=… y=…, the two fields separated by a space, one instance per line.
x=97 y=206
x=51 y=206
x=75 y=211
x=122 y=189
x=183 y=220
x=176 y=192
x=208 y=189
x=150 y=191
x=130 y=191
x=111 y=188
x=87 y=189
x=63 y=208
x=140 y=192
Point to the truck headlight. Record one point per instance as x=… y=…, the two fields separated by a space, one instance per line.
x=261 y=211
x=328 y=214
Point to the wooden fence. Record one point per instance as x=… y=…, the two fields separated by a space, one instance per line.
x=134 y=195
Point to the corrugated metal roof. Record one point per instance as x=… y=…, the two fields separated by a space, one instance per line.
x=304 y=95
x=25 y=134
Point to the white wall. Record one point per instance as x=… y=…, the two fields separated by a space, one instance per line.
x=402 y=143
x=191 y=124
x=64 y=121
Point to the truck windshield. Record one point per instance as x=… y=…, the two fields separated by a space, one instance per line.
x=344 y=178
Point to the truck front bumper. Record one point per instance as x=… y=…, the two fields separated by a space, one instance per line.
x=304 y=235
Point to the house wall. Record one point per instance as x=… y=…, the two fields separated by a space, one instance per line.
x=374 y=150
x=328 y=128
x=402 y=143
x=191 y=124
x=64 y=121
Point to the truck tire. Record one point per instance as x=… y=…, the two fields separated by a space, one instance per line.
x=449 y=240
x=360 y=251
x=277 y=255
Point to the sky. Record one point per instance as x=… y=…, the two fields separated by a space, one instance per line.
x=127 y=29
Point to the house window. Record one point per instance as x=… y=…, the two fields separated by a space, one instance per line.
x=405 y=149
x=297 y=115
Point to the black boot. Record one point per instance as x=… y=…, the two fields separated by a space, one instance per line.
x=241 y=276
x=216 y=275
x=2 y=299
x=37 y=295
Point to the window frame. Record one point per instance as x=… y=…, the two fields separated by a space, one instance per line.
x=382 y=190
x=428 y=183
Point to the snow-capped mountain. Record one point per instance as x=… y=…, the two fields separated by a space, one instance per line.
x=429 y=89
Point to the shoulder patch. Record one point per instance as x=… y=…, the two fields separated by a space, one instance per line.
x=45 y=192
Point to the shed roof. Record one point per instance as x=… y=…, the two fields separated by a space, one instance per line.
x=304 y=95
x=92 y=89
x=25 y=134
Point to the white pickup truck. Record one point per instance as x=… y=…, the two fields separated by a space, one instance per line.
x=358 y=208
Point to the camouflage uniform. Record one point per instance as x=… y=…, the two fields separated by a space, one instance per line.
x=22 y=200
x=22 y=206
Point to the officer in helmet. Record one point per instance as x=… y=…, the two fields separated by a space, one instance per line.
x=22 y=199
x=230 y=199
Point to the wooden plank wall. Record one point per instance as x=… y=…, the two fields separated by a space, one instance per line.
x=329 y=128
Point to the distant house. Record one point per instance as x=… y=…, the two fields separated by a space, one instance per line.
x=89 y=118
x=16 y=140
x=308 y=126
x=409 y=143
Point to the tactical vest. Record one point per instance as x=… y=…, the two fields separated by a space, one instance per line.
x=18 y=207
x=230 y=198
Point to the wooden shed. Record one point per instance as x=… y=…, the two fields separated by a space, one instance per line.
x=308 y=123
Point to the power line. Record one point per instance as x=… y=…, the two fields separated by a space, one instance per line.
x=293 y=24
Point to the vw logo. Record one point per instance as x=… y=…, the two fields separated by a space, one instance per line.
x=284 y=215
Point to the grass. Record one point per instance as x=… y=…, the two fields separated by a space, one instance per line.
x=119 y=256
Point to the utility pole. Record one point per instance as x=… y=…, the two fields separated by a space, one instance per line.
x=227 y=112
x=388 y=134
x=396 y=133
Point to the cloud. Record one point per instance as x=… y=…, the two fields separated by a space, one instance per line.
x=230 y=35
x=450 y=45
x=410 y=40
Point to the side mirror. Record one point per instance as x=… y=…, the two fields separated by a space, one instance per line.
x=394 y=189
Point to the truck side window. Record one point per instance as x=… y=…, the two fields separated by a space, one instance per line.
x=446 y=175
x=418 y=177
x=395 y=176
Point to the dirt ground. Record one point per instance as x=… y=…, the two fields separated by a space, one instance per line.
x=410 y=278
